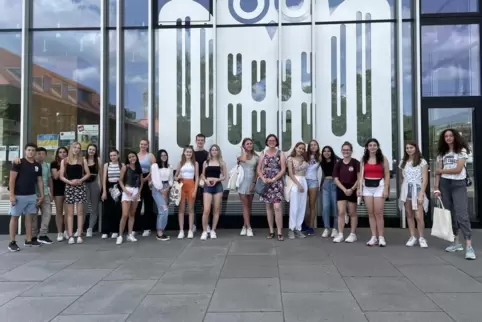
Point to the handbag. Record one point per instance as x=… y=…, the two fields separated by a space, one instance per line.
x=468 y=181
x=115 y=193
x=442 y=223
x=233 y=178
x=175 y=193
x=287 y=188
x=260 y=187
x=372 y=183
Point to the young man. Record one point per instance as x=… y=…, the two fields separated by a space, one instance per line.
x=46 y=206
x=23 y=199
x=201 y=156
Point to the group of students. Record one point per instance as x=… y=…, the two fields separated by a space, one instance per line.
x=72 y=179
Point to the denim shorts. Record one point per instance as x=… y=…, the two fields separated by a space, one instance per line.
x=312 y=183
x=24 y=205
x=410 y=188
x=217 y=188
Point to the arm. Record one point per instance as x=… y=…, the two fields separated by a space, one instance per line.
x=101 y=171
x=203 y=172
x=152 y=158
x=121 y=178
x=362 y=173
x=55 y=173
x=386 y=175
x=104 y=182
x=291 y=172
x=336 y=176
x=259 y=168
x=223 y=172
x=424 y=181
x=51 y=188
x=86 y=172
x=11 y=185
x=437 y=175
x=242 y=156
x=178 y=168
x=280 y=174
x=456 y=170
x=196 y=177
x=40 y=185
x=155 y=176
x=62 y=173
x=171 y=177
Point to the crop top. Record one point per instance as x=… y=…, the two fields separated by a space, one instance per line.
x=187 y=171
x=212 y=171
x=374 y=171
x=328 y=167
x=132 y=178
x=73 y=171
x=160 y=176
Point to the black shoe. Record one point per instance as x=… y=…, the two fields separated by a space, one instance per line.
x=13 y=247
x=34 y=242
x=45 y=240
x=163 y=237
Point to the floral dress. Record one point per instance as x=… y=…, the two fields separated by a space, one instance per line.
x=271 y=167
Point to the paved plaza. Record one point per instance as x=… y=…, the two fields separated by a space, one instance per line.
x=240 y=279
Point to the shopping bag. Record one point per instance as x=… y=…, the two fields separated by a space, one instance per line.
x=233 y=178
x=442 y=223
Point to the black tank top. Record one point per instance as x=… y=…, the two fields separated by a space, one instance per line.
x=94 y=171
x=74 y=171
x=132 y=178
x=212 y=171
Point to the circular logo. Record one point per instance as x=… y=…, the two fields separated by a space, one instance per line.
x=350 y=169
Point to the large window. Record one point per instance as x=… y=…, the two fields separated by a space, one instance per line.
x=65 y=14
x=449 y=6
x=11 y=14
x=112 y=90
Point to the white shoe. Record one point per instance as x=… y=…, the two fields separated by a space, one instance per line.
x=181 y=235
x=104 y=236
x=338 y=238
x=66 y=234
x=382 y=242
x=412 y=241
x=60 y=237
x=89 y=232
x=423 y=242
x=79 y=240
x=213 y=235
x=114 y=235
x=351 y=238
x=243 y=231
x=76 y=234
x=146 y=233
x=249 y=232
x=131 y=238
x=71 y=240
x=204 y=235
x=326 y=233
x=193 y=229
x=190 y=235
x=119 y=240
x=208 y=229
x=134 y=233
x=334 y=233
x=373 y=241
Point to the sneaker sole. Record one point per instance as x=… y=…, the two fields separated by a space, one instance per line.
x=45 y=242
x=13 y=250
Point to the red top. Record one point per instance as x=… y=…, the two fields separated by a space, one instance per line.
x=374 y=171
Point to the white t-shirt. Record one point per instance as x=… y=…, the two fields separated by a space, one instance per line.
x=450 y=160
x=413 y=174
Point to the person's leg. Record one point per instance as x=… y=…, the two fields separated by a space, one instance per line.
x=269 y=217
x=132 y=219
x=447 y=201
x=353 y=217
x=70 y=219
x=278 y=214
x=341 y=216
x=217 y=199
x=302 y=201
x=162 y=211
x=326 y=204
x=207 y=197
x=379 y=208
x=312 y=199
x=46 y=209
x=147 y=217
x=35 y=230
x=460 y=198
x=126 y=206
x=94 y=200
x=410 y=217
x=181 y=209
x=59 y=214
x=28 y=226
x=293 y=210
x=15 y=212
x=246 y=211
x=80 y=220
x=190 y=204
x=371 y=214
x=334 y=203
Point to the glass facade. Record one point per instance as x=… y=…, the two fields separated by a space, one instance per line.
x=113 y=72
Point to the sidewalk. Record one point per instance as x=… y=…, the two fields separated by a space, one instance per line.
x=240 y=279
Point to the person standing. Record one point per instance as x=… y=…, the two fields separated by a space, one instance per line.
x=328 y=186
x=162 y=181
x=59 y=191
x=23 y=199
x=201 y=156
x=93 y=185
x=297 y=165
x=146 y=159
x=248 y=160
x=111 y=195
x=46 y=206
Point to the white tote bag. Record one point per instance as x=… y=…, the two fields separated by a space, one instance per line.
x=442 y=223
x=233 y=178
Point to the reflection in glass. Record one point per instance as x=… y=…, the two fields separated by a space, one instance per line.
x=450 y=60
x=452 y=6
x=407 y=82
x=112 y=90
x=11 y=14
x=136 y=13
x=65 y=14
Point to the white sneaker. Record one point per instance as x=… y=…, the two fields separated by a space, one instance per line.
x=190 y=235
x=89 y=232
x=66 y=234
x=334 y=233
x=373 y=241
x=114 y=235
x=193 y=229
x=76 y=234
x=326 y=233
x=382 y=242
x=60 y=237
x=338 y=238
x=204 y=235
x=119 y=240
x=412 y=241
x=79 y=240
x=131 y=238
x=208 y=229
x=249 y=232
x=423 y=242
x=146 y=233
x=351 y=238
x=243 y=231
x=213 y=235
x=104 y=236
x=71 y=240
x=134 y=233
x=181 y=235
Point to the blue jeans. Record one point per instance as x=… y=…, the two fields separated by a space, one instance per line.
x=162 y=209
x=329 y=202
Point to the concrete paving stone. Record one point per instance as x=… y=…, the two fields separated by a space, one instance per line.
x=381 y=285
x=403 y=256
x=445 y=278
x=246 y=295
x=365 y=266
x=224 y=240
x=291 y=254
x=252 y=247
x=462 y=307
x=36 y=270
x=472 y=268
x=68 y=282
x=316 y=307
x=10 y=290
x=408 y=317
x=101 y=260
x=34 y=309
x=112 y=297
x=250 y=266
x=311 y=279
x=244 y=317
x=140 y=269
x=171 y=308
x=188 y=280
x=91 y=318
x=12 y=260
x=201 y=256
x=151 y=248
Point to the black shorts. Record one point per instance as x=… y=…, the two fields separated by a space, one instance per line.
x=340 y=195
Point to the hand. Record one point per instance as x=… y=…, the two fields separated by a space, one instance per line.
x=212 y=183
x=104 y=196
x=300 y=188
x=75 y=182
x=136 y=197
x=40 y=199
x=265 y=180
x=436 y=193
x=251 y=188
x=358 y=193
x=348 y=192
x=13 y=201
x=420 y=198
x=194 y=194
x=385 y=193
x=51 y=197
x=438 y=171
x=128 y=193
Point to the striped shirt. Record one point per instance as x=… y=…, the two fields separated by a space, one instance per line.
x=113 y=172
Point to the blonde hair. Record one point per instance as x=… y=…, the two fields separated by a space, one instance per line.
x=220 y=154
x=70 y=157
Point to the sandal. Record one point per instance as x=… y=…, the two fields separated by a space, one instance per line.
x=270 y=236
x=280 y=237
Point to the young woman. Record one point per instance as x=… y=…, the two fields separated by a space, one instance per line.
x=187 y=172
x=112 y=211
x=93 y=185
x=214 y=172
x=162 y=180
x=248 y=160
x=297 y=165
x=146 y=159
x=131 y=184
x=314 y=158
x=414 y=178
x=375 y=174
x=59 y=192
x=328 y=186
x=74 y=171
x=271 y=168
x=451 y=178
x=346 y=175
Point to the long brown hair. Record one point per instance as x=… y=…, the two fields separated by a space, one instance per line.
x=183 y=157
x=317 y=153
x=417 y=156
x=293 y=152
